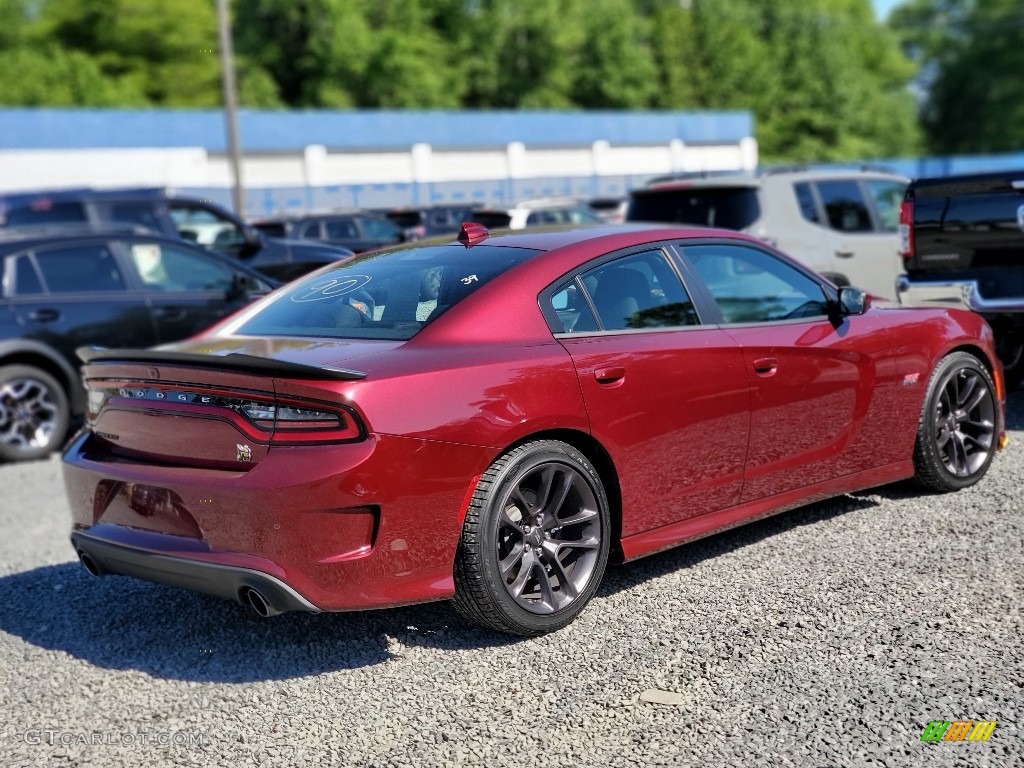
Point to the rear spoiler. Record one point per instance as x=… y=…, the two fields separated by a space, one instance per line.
x=233 y=361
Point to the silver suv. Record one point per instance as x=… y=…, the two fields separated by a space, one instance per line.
x=843 y=223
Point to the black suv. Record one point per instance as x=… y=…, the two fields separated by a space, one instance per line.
x=113 y=289
x=199 y=221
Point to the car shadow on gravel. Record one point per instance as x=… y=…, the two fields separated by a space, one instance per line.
x=125 y=624
x=629 y=575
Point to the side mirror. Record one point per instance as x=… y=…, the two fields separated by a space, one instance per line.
x=852 y=301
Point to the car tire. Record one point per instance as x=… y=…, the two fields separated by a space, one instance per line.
x=959 y=425
x=34 y=413
x=535 y=541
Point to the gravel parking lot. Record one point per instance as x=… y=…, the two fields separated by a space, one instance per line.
x=827 y=636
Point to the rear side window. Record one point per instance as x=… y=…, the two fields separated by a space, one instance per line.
x=43 y=212
x=80 y=269
x=379 y=229
x=808 y=205
x=634 y=292
x=337 y=228
x=384 y=295
x=726 y=207
x=26 y=279
x=845 y=206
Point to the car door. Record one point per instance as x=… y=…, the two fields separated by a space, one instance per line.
x=75 y=294
x=821 y=385
x=862 y=249
x=186 y=290
x=667 y=396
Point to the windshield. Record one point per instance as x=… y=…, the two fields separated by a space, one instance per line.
x=384 y=295
x=726 y=207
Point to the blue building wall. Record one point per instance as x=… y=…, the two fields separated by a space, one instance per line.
x=265 y=131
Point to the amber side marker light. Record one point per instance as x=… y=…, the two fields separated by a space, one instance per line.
x=1003 y=441
x=471 y=233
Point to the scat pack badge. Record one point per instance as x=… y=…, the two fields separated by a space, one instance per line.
x=243 y=452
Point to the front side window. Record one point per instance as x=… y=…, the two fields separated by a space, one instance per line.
x=379 y=229
x=202 y=225
x=752 y=286
x=634 y=292
x=334 y=229
x=383 y=295
x=844 y=206
x=80 y=269
x=166 y=268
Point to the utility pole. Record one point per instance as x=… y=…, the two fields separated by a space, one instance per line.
x=227 y=76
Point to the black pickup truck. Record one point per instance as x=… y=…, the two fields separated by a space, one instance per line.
x=962 y=241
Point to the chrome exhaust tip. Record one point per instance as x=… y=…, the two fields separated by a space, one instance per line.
x=89 y=563
x=255 y=600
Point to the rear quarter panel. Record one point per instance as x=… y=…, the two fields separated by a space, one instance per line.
x=921 y=338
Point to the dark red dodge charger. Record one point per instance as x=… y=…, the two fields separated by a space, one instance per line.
x=492 y=419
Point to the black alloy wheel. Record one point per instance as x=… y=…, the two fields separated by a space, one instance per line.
x=535 y=541
x=958 y=429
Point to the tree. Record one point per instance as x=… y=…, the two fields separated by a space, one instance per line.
x=970 y=53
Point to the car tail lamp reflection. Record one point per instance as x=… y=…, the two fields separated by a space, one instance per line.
x=260 y=417
x=907 y=229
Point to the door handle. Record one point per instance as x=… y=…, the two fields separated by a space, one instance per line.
x=766 y=366
x=610 y=375
x=169 y=313
x=844 y=254
x=47 y=315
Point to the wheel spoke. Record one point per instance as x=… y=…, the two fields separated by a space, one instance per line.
x=569 y=590
x=582 y=516
x=975 y=400
x=514 y=557
x=958 y=454
x=964 y=393
x=547 y=592
x=528 y=563
x=505 y=520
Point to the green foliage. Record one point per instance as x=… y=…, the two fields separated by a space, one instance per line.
x=971 y=54
x=823 y=79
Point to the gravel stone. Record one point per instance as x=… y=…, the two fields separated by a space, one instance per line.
x=828 y=635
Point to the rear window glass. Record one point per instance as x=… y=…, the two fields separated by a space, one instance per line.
x=726 y=207
x=42 y=212
x=385 y=295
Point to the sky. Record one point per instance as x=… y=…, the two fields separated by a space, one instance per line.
x=882 y=7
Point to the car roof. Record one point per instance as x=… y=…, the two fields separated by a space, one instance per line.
x=740 y=179
x=562 y=236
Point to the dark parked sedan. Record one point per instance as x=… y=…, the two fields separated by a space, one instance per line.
x=358 y=232
x=511 y=412
x=113 y=289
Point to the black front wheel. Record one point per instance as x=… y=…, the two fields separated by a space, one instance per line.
x=958 y=429
x=535 y=541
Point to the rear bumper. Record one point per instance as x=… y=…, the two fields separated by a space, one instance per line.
x=102 y=557
x=961 y=294
x=323 y=528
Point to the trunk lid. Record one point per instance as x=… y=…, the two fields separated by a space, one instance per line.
x=216 y=403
